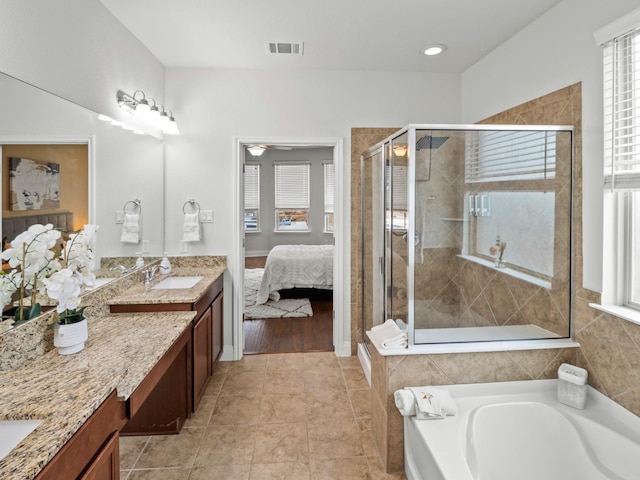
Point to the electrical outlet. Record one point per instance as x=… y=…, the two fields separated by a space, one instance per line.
x=145 y=246
x=184 y=247
x=206 y=216
x=119 y=216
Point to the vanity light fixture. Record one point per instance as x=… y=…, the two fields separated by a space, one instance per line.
x=435 y=49
x=256 y=150
x=149 y=111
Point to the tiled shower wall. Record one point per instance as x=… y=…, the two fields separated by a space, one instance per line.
x=609 y=346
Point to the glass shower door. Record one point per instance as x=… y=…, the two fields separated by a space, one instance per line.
x=372 y=242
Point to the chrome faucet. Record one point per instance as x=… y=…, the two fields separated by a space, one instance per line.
x=121 y=268
x=150 y=273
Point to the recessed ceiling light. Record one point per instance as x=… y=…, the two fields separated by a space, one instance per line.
x=432 y=50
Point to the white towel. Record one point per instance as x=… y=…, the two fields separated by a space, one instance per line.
x=389 y=336
x=131 y=228
x=191 y=228
x=432 y=402
x=406 y=402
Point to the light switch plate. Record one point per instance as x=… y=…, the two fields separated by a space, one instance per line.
x=145 y=246
x=184 y=247
x=206 y=216
x=119 y=216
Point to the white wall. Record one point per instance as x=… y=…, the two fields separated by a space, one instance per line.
x=555 y=51
x=214 y=106
x=77 y=50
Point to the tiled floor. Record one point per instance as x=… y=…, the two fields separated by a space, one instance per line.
x=298 y=416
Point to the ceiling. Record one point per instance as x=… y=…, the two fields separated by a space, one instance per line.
x=337 y=34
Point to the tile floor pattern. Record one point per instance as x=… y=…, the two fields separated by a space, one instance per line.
x=293 y=416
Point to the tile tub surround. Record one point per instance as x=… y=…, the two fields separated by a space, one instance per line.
x=64 y=390
x=610 y=347
x=298 y=416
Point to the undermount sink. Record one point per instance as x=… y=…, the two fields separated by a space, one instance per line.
x=12 y=432
x=177 y=282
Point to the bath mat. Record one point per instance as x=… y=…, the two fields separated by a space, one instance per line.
x=285 y=307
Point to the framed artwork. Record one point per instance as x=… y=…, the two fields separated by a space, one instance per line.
x=33 y=185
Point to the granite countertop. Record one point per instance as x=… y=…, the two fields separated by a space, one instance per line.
x=65 y=390
x=145 y=294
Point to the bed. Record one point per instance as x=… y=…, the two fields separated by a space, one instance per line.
x=14 y=226
x=296 y=266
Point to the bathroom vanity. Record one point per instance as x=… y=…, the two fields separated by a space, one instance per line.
x=137 y=368
x=205 y=298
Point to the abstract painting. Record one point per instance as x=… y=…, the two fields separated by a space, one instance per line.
x=34 y=185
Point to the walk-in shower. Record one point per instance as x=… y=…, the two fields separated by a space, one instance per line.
x=466 y=232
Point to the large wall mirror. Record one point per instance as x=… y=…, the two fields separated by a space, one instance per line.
x=100 y=168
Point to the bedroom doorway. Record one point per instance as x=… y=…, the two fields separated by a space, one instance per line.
x=291 y=328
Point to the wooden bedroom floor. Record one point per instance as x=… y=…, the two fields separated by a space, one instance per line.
x=291 y=335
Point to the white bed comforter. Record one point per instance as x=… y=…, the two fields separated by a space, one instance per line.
x=296 y=266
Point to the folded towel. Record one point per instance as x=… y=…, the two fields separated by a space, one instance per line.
x=191 y=228
x=432 y=402
x=406 y=402
x=402 y=325
x=131 y=228
x=389 y=336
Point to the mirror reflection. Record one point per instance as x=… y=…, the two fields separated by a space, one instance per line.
x=62 y=165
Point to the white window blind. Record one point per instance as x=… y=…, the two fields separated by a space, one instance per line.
x=251 y=186
x=494 y=156
x=399 y=187
x=622 y=111
x=292 y=185
x=328 y=187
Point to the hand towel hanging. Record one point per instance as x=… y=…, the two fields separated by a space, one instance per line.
x=131 y=228
x=191 y=228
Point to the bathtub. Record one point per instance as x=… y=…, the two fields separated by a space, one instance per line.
x=518 y=430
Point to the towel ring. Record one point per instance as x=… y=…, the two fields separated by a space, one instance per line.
x=137 y=208
x=195 y=205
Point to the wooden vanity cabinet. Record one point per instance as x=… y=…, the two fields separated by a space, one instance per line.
x=207 y=333
x=202 y=333
x=92 y=452
x=162 y=402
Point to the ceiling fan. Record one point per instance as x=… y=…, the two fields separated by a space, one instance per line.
x=257 y=150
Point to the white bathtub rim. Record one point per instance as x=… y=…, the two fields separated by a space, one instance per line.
x=451 y=430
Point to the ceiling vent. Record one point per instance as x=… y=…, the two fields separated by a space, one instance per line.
x=285 y=48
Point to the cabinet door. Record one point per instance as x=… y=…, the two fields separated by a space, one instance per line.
x=217 y=338
x=201 y=356
x=106 y=464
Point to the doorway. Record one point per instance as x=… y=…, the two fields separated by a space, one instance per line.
x=295 y=328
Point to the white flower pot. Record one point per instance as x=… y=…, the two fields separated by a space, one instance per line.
x=70 y=338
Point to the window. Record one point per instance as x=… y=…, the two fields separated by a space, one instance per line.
x=292 y=197
x=329 y=177
x=622 y=168
x=510 y=155
x=510 y=178
x=398 y=184
x=252 y=198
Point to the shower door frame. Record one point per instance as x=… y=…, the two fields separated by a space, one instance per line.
x=410 y=130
